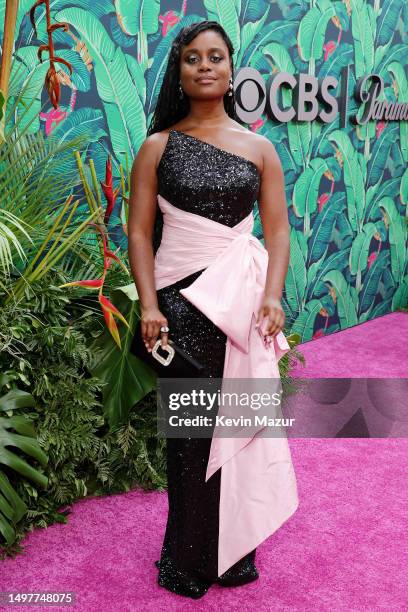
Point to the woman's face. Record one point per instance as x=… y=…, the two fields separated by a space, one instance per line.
x=206 y=56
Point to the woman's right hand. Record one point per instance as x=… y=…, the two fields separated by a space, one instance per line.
x=151 y=322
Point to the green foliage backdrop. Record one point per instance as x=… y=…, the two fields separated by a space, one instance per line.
x=347 y=189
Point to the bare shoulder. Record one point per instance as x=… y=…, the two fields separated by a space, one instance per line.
x=155 y=141
x=271 y=160
x=262 y=145
x=271 y=163
x=152 y=147
x=258 y=140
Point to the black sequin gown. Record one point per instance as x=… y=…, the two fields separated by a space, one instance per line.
x=201 y=178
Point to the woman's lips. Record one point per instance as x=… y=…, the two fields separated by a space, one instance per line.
x=205 y=81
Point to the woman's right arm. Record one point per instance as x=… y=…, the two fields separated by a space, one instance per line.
x=142 y=213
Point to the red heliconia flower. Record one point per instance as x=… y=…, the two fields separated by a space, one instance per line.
x=108 y=306
x=107 y=254
x=110 y=193
x=109 y=310
x=90 y=284
x=111 y=325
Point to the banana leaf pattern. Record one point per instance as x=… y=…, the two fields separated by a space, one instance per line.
x=347 y=189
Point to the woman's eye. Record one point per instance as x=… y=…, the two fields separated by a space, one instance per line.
x=213 y=57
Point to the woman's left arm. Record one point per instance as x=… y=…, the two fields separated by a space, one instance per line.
x=276 y=231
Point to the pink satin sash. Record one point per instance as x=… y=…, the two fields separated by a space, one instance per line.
x=258 y=484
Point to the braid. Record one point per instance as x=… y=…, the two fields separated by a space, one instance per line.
x=169 y=107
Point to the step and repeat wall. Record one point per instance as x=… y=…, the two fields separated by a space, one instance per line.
x=326 y=82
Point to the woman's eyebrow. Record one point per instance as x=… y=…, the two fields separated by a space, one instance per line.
x=212 y=49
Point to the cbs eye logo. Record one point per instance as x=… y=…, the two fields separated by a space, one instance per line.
x=303 y=97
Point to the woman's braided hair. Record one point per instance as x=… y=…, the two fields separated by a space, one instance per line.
x=170 y=108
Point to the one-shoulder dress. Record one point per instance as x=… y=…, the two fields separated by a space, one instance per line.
x=201 y=178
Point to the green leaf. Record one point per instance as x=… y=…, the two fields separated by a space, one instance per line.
x=127 y=122
x=352 y=162
x=340 y=291
x=296 y=278
x=306 y=191
x=312 y=30
x=397 y=237
x=387 y=21
x=363 y=29
x=305 y=322
x=404 y=189
x=139 y=18
x=371 y=283
x=380 y=153
x=280 y=57
x=248 y=32
x=360 y=250
x=398 y=72
x=400 y=297
x=300 y=137
x=227 y=14
x=12 y=507
x=127 y=379
x=27 y=78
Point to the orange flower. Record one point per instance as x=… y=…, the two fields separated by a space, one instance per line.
x=109 y=310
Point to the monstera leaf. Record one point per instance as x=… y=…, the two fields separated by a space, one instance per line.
x=12 y=507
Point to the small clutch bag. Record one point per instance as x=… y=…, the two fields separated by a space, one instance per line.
x=169 y=361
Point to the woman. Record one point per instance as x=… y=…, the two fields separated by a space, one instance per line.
x=198 y=159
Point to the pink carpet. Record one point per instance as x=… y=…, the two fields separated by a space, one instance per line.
x=345 y=548
x=376 y=349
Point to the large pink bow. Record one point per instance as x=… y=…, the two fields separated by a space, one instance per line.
x=258 y=484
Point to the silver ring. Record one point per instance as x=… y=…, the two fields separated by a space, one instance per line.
x=164 y=328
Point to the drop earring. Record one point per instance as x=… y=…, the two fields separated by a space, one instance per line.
x=230 y=88
x=181 y=90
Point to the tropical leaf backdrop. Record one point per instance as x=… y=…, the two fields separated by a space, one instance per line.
x=347 y=188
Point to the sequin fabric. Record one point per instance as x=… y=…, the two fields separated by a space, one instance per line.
x=201 y=178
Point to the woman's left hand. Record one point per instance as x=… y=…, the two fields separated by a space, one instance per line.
x=272 y=309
